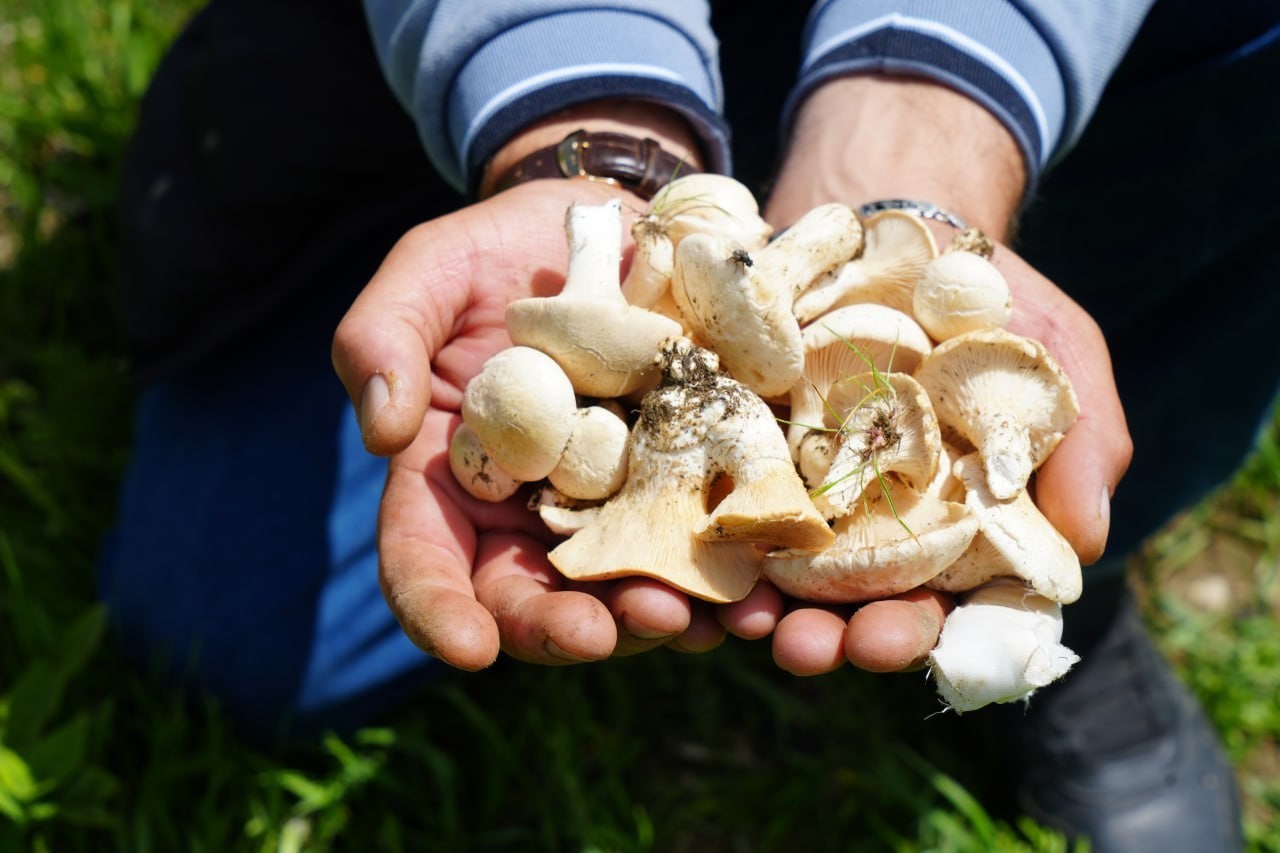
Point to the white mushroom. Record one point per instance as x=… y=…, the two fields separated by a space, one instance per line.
x=901 y=540
x=961 y=292
x=898 y=245
x=594 y=463
x=696 y=427
x=1001 y=644
x=945 y=484
x=885 y=424
x=604 y=345
x=521 y=407
x=562 y=514
x=846 y=342
x=739 y=303
x=700 y=203
x=1005 y=395
x=475 y=470
x=1014 y=540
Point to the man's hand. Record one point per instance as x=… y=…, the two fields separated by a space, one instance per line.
x=464 y=577
x=859 y=139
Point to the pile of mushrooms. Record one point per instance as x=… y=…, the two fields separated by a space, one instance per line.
x=837 y=409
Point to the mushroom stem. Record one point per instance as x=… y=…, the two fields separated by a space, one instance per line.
x=595 y=251
x=1000 y=645
x=1007 y=454
x=605 y=346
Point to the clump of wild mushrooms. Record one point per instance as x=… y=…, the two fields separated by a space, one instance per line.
x=838 y=410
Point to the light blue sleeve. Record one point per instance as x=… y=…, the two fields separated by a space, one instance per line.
x=473 y=72
x=1039 y=65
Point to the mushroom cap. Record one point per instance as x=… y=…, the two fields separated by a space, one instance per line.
x=1005 y=395
x=897 y=246
x=1014 y=540
x=961 y=292
x=767 y=504
x=745 y=319
x=594 y=463
x=1001 y=644
x=698 y=203
x=707 y=203
x=604 y=345
x=739 y=303
x=521 y=407
x=647 y=531
x=475 y=470
x=696 y=427
x=605 y=348
x=849 y=341
x=897 y=543
x=885 y=425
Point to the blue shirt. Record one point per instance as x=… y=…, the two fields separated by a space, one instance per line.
x=472 y=72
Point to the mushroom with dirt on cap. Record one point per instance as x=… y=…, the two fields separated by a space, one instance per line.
x=695 y=428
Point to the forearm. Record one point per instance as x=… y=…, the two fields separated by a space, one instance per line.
x=861 y=138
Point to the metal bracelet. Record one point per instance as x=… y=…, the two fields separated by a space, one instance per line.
x=923 y=209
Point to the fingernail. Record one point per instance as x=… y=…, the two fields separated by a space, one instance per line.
x=553 y=649
x=1104 y=517
x=641 y=632
x=373 y=399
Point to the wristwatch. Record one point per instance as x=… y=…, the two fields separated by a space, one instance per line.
x=639 y=165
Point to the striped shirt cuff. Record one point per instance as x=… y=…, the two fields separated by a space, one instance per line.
x=987 y=51
x=553 y=62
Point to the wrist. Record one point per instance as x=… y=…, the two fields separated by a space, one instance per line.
x=634 y=118
x=862 y=138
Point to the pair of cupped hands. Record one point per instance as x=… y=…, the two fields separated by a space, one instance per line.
x=468 y=579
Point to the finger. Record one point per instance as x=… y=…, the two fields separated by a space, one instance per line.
x=545 y=626
x=383 y=347
x=539 y=622
x=703 y=634
x=896 y=634
x=425 y=552
x=648 y=613
x=445 y=280
x=1073 y=487
x=755 y=616
x=809 y=641
x=427 y=544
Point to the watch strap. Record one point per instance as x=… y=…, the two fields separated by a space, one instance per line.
x=640 y=165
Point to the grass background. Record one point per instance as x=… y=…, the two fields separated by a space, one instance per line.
x=662 y=751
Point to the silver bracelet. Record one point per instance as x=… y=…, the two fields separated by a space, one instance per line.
x=923 y=209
